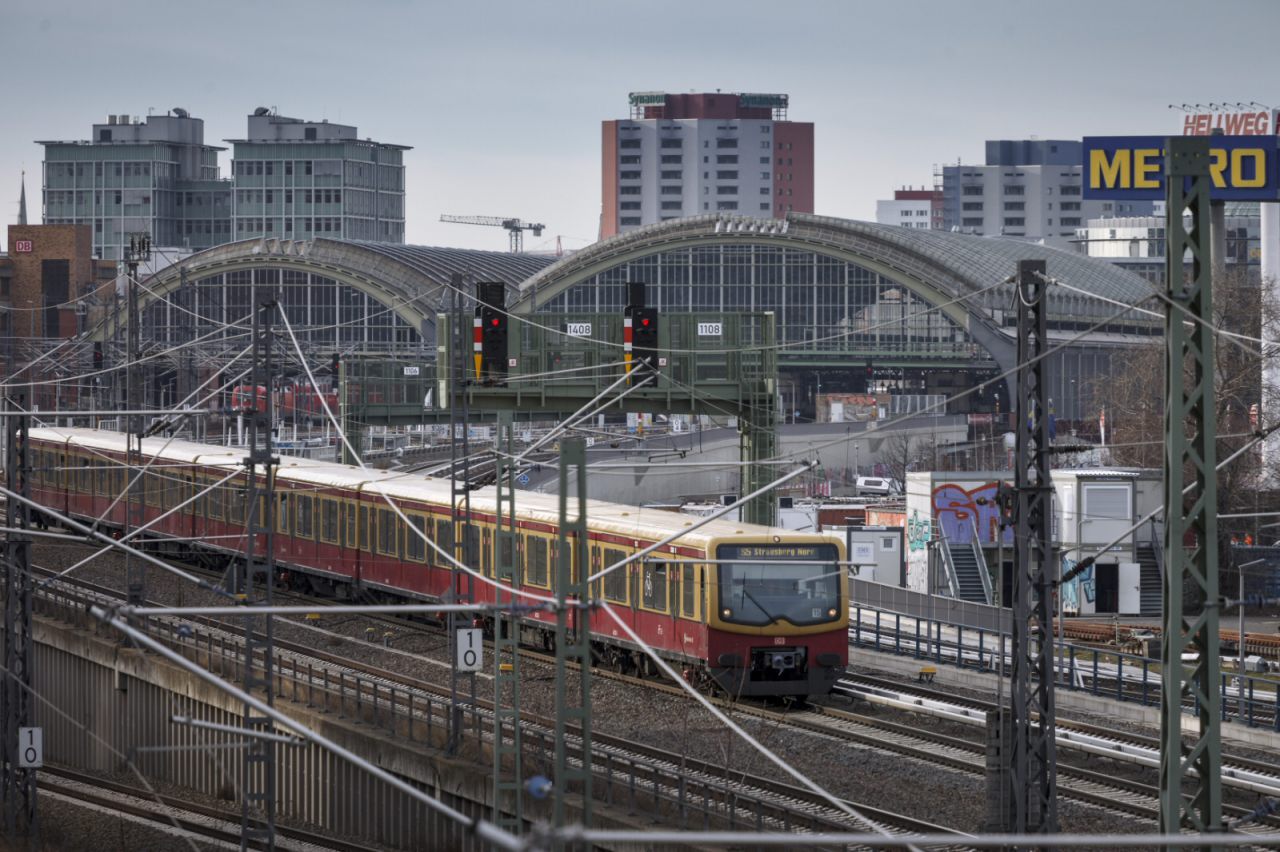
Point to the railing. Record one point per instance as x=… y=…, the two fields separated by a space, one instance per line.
x=416 y=716
x=1102 y=672
x=944 y=550
x=980 y=560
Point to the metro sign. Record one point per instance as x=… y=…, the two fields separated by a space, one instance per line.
x=23 y=246
x=1242 y=168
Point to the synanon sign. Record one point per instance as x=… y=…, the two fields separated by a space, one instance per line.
x=1242 y=168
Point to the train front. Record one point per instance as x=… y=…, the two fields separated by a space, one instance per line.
x=779 y=616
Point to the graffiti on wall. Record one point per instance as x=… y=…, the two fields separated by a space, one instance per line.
x=957 y=511
x=919 y=531
x=1083 y=585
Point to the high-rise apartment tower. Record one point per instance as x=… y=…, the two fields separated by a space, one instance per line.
x=682 y=155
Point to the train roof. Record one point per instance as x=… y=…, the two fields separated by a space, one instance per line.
x=618 y=519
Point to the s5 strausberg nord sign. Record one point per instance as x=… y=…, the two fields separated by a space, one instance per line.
x=1242 y=168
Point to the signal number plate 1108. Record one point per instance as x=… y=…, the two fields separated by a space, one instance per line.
x=710 y=329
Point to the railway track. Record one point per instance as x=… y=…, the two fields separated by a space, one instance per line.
x=172 y=813
x=1141 y=799
x=685 y=791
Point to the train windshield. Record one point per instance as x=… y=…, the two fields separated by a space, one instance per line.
x=763 y=583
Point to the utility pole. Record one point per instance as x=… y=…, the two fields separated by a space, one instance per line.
x=258 y=777
x=135 y=571
x=1191 y=573
x=15 y=693
x=1034 y=759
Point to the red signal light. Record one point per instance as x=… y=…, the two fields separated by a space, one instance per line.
x=644 y=321
x=495 y=321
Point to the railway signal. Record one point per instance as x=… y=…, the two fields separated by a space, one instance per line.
x=639 y=329
x=490 y=332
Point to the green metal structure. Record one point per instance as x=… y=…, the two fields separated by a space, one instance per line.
x=573 y=636
x=721 y=364
x=508 y=779
x=1190 y=762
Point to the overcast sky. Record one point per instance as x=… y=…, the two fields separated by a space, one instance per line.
x=502 y=101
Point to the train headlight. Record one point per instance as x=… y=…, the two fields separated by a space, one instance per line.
x=726 y=612
x=831 y=613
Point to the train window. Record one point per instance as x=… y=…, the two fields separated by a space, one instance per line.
x=282 y=517
x=349 y=509
x=471 y=547
x=536 y=558
x=505 y=556
x=654 y=588
x=386 y=532
x=416 y=547
x=596 y=562
x=329 y=520
x=304 y=524
x=486 y=552
x=235 y=505
x=688 y=591
x=104 y=467
x=444 y=539
x=364 y=529
x=615 y=582
x=215 y=502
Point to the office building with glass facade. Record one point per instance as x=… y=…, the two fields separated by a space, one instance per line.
x=302 y=179
x=154 y=176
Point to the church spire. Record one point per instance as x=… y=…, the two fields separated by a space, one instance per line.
x=22 y=201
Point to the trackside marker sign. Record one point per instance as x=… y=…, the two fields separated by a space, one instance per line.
x=1242 y=168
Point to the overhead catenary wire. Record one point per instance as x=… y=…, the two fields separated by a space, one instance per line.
x=648 y=650
x=483 y=829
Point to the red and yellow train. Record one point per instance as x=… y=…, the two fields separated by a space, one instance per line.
x=754 y=610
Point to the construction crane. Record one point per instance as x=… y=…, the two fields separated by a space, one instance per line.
x=515 y=227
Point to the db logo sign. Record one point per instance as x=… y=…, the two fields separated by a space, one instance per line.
x=22 y=245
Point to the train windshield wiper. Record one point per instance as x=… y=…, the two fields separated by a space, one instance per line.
x=748 y=594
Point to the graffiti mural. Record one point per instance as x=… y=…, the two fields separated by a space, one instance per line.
x=957 y=511
x=1084 y=585
x=919 y=531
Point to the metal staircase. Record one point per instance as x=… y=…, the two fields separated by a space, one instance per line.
x=966 y=569
x=1151 y=576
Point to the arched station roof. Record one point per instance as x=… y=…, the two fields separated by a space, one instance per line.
x=412 y=280
x=940 y=266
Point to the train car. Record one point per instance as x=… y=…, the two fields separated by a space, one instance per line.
x=749 y=610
